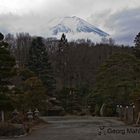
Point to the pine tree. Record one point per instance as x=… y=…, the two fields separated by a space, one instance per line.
x=39 y=63
x=117 y=79
x=34 y=96
x=1 y=36
x=7 y=63
x=7 y=70
x=137 y=45
x=137 y=40
x=62 y=43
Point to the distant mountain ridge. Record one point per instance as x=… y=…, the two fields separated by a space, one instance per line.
x=75 y=27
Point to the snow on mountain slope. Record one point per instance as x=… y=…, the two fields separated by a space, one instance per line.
x=75 y=28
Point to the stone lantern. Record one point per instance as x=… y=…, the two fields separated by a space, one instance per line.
x=15 y=115
x=30 y=114
x=36 y=113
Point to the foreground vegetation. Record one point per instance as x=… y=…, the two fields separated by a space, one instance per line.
x=60 y=77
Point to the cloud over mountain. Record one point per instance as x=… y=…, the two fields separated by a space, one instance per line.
x=118 y=18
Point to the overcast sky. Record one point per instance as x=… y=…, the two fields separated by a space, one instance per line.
x=119 y=18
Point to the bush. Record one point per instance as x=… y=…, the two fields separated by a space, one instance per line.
x=108 y=111
x=10 y=130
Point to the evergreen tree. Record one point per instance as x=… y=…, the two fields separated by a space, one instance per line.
x=63 y=38
x=7 y=63
x=62 y=43
x=1 y=36
x=117 y=79
x=34 y=96
x=137 y=40
x=137 y=45
x=39 y=63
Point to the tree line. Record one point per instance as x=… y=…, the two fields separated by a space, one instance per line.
x=55 y=75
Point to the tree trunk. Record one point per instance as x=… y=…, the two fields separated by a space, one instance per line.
x=138 y=119
x=102 y=109
x=2 y=116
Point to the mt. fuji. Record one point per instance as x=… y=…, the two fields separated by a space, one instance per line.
x=75 y=28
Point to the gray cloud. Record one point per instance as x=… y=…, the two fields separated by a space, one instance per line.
x=125 y=25
x=122 y=25
x=34 y=24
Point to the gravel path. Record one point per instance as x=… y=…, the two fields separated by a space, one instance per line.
x=83 y=128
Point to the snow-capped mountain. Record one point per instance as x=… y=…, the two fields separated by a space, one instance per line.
x=75 y=27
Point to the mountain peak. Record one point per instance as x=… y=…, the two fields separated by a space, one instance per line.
x=74 y=25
